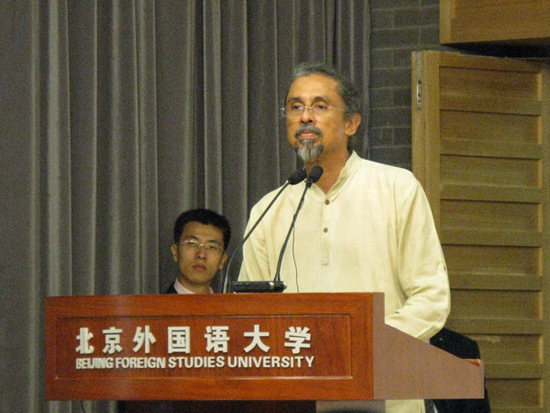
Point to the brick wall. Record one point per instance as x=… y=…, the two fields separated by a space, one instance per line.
x=399 y=27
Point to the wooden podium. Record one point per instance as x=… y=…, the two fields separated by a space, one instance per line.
x=237 y=347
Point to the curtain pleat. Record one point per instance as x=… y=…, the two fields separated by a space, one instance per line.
x=83 y=113
x=122 y=114
x=210 y=167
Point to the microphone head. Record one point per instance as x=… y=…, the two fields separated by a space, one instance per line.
x=314 y=175
x=297 y=177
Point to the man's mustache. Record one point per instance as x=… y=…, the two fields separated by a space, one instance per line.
x=307 y=128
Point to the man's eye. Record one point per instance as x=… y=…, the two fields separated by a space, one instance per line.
x=321 y=107
x=296 y=106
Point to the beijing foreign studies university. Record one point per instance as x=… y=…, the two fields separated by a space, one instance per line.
x=197 y=362
x=217 y=339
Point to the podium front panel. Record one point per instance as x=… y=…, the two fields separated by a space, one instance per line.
x=210 y=347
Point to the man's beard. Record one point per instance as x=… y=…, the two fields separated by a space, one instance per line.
x=306 y=148
x=308 y=152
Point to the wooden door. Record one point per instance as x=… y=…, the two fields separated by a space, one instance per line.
x=480 y=148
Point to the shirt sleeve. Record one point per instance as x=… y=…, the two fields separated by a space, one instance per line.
x=421 y=269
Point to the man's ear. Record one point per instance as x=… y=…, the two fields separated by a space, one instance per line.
x=223 y=260
x=174 y=250
x=352 y=123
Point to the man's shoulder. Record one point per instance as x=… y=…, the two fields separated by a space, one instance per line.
x=171 y=289
x=268 y=197
x=383 y=170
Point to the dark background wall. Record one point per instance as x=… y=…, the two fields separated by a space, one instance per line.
x=399 y=27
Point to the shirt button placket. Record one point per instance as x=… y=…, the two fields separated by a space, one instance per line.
x=325 y=245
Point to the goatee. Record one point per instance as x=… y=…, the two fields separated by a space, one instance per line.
x=308 y=152
x=305 y=148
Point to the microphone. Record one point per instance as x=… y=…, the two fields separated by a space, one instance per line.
x=314 y=176
x=294 y=178
x=277 y=285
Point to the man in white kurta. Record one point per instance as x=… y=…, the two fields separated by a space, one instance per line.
x=372 y=232
x=364 y=226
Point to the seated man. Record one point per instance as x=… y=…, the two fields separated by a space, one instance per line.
x=201 y=237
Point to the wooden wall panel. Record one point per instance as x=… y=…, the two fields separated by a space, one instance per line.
x=470 y=170
x=511 y=349
x=489 y=127
x=469 y=303
x=480 y=149
x=522 y=394
x=491 y=216
x=504 y=21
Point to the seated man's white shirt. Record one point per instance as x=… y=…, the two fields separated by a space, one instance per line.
x=180 y=289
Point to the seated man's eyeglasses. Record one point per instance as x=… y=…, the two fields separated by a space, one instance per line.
x=296 y=109
x=196 y=246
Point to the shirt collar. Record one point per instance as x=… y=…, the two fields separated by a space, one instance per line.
x=180 y=289
x=352 y=164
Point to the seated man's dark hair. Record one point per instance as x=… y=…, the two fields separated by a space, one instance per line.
x=206 y=217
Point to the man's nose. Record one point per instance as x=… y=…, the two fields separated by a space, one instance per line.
x=307 y=115
x=201 y=251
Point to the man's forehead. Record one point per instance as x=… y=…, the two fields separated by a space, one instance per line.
x=314 y=86
x=201 y=231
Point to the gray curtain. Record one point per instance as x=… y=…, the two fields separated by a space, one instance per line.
x=118 y=115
